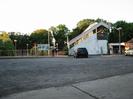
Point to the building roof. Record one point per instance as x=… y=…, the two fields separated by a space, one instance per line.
x=116 y=44
x=88 y=30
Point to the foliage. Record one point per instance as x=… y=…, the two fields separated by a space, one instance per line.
x=126 y=33
x=81 y=26
x=99 y=20
x=6 y=45
x=4 y=37
x=60 y=33
x=75 y=32
x=39 y=36
x=1 y=45
x=21 y=41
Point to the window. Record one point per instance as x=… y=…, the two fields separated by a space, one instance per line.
x=94 y=31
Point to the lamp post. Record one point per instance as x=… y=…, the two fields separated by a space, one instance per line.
x=53 y=41
x=15 y=43
x=57 y=48
x=48 y=44
x=35 y=45
x=27 y=45
x=68 y=46
x=119 y=29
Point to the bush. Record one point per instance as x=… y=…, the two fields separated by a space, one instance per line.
x=6 y=48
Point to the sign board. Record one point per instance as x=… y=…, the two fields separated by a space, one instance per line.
x=43 y=47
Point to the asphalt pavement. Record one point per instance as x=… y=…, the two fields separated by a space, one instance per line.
x=26 y=74
x=117 y=87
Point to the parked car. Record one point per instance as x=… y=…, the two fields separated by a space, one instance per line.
x=129 y=52
x=81 y=53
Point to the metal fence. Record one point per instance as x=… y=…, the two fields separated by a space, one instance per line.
x=31 y=53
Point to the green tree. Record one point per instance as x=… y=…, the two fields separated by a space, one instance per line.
x=22 y=41
x=4 y=37
x=126 y=32
x=75 y=32
x=99 y=20
x=1 y=45
x=39 y=36
x=6 y=45
x=81 y=26
x=60 y=35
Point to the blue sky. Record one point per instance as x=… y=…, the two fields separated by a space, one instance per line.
x=28 y=15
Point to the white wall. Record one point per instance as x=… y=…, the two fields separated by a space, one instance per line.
x=103 y=46
x=92 y=45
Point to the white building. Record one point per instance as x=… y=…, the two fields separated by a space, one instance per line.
x=94 y=39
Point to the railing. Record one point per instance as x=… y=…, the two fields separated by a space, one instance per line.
x=31 y=53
